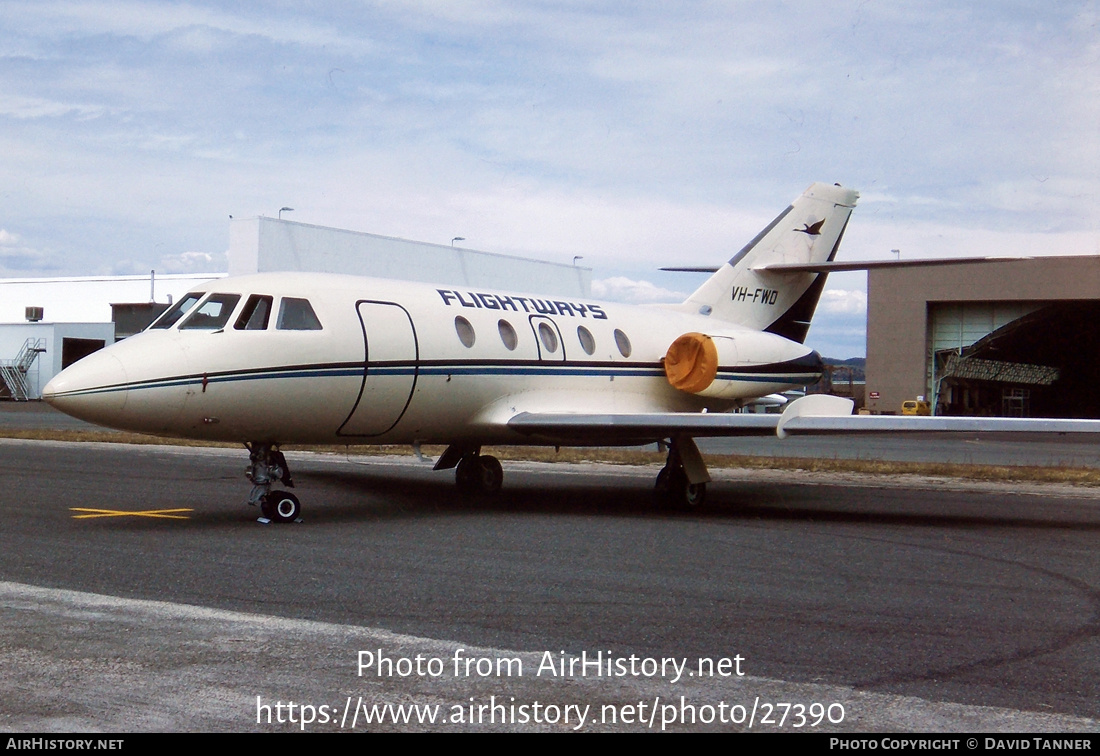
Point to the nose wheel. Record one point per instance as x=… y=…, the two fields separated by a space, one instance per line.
x=266 y=467
x=281 y=506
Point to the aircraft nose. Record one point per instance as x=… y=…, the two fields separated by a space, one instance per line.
x=91 y=389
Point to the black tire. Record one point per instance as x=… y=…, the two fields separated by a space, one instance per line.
x=675 y=489
x=466 y=474
x=693 y=495
x=490 y=475
x=662 y=489
x=280 y=506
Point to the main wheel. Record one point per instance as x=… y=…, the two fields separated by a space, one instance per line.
x=280 y=506
x=662 y=489
x=467 y=473
x=693 y=495
x=490 y=474
x=673 y=489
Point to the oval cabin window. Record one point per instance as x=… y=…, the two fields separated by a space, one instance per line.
x=622 y=342
x=465 y=331
x=507 y=334
x=549 y=338
x=588 y=343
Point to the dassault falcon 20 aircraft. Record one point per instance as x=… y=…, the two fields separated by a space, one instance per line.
x=292 y=358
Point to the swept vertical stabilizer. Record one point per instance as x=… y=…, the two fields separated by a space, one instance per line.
x=808 y=231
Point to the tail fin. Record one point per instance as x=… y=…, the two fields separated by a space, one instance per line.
x=742 y=291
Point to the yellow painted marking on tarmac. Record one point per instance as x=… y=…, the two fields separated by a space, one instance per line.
x=167 y=514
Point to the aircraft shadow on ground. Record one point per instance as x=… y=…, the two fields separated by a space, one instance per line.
x=390 y=495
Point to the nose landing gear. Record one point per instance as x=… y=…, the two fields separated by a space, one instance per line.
x=267 y=466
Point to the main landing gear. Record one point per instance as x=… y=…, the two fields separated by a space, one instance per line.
x=475 y=473
x=267 y=466
x=682 y=482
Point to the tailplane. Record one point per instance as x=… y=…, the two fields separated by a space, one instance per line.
x=743 y=291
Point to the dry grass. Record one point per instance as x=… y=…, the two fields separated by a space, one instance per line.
x=1066 y=475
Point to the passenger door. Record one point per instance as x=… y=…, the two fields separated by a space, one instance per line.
x=390 y=369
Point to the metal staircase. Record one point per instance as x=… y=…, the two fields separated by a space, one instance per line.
x=14 y=372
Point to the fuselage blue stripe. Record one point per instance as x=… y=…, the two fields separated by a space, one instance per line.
x=412 y=369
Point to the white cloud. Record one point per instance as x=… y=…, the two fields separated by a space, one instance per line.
x=842 y=302
x=25 y=108
x=193 y=262
x=634 y=135
x=620 y=289
x=18 y=258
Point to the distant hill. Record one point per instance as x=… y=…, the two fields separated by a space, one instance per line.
x=857 y=366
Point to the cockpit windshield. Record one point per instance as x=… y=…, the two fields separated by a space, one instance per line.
x=212 y=314
x=172 y=315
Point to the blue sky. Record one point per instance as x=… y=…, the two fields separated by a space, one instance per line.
x=634 y=134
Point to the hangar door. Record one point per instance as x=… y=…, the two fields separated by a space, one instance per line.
x=954 y=326
x=1040 y=364
x=390 y=355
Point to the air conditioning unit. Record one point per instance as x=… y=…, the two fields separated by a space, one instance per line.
x=34 y=314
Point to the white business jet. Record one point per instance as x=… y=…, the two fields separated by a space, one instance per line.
x=293 y=358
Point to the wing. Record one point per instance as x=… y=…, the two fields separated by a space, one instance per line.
x=815 y=414
x=640 y=428
x=646 y=427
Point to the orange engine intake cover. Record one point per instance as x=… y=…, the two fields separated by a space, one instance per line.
x=691 y=362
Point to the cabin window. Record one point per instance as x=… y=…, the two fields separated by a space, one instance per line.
x=297 y=315
x=465 y=331
x=622 y=342
x=212 y=314
x=549 y=338
x=588 y=344
x=173 y=314
x=507 y=334
x=256 y=312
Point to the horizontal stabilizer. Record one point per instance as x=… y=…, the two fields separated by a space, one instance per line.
x=839 y=267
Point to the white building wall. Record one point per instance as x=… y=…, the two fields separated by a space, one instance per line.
x=258 y=245
x=48 y=364
x=88 y=299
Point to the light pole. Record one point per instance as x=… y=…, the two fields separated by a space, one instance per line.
x=285 y=209
x=457 y=238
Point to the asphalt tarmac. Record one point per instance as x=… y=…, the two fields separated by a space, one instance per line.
x=141 y=594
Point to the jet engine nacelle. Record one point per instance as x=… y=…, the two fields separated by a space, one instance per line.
x=691 y=364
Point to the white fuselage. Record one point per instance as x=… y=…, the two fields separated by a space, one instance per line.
x=393 y=362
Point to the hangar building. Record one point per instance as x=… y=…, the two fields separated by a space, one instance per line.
x=1004 y=338
x=259 y=245
x=48 y=323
